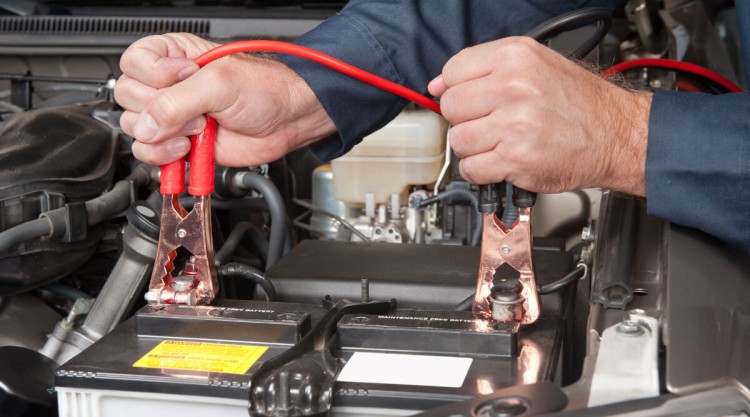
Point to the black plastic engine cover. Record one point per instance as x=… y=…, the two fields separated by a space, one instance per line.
x=50 y=158
x=61 y=150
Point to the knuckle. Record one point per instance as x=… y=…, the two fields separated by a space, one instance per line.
x=127 y=120
x=165 y=109
x=468 y=171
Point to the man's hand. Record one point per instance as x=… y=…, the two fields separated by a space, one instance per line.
x=264 y=109
x=523 y=113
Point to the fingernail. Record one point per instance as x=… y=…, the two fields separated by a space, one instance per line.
x=145 y=127
x=195 y=126
x=178 y=147
x=186 y=72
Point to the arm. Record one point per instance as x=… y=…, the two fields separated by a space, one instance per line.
x=407 y=42
x=698 y=163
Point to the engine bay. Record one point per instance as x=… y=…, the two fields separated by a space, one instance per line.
x=344 y=288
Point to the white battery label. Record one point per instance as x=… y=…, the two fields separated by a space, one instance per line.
x=403 y=369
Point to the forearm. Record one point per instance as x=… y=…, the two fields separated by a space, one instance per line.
x=407 y=42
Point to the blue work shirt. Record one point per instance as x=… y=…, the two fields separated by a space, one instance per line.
x=698 y=156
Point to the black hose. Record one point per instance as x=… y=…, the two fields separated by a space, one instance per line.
x=233 y=241
x=65 y=291
x=23 y=232
x=118 y=199
x=238 y=270
x=477 y=235
x=277 y=210
x=573 y=20
x=53 y=223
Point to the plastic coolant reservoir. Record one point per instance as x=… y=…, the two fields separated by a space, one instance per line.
x=408 y=151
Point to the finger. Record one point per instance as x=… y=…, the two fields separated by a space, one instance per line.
x=480 y=60
x=157 y=61
x=143 y=130
x=473 y=137
x=133 y=95
x=163 y=152
x=437 y=86
x=471 y=100
x=483 y=168
x=127 y=121
x=168 y=114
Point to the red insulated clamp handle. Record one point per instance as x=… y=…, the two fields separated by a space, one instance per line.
x=202 y=160
x=172 y=177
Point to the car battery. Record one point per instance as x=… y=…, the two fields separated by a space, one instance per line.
x=181 y=360
x=200 y=360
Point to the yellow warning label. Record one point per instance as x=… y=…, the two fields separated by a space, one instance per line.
x=198 y=356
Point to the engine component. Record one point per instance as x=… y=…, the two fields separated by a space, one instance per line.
x=613 y=261
x=407 y=151
x=52 y=158
x=322 y=197
x=627 y=365
x=25 y=379
x=121 y=290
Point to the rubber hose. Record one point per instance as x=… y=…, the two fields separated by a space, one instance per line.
x=118 y=199
x=234 y=238
x=65 y=291
x=238 y=270
x=277 y=210
x=23 y=232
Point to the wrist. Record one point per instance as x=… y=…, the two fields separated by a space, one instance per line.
x=628 y=134
x=308 y=120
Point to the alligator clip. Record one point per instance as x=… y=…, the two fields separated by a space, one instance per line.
x=511 y=245
x=197 y=282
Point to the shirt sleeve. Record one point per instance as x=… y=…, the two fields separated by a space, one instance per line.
x=698 y=163
x=407 y=42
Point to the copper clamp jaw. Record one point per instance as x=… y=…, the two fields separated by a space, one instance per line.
x=513 y=246
x=196 y=283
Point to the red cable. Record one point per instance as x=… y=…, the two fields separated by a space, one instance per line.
x=321 y=58
x=673 y=65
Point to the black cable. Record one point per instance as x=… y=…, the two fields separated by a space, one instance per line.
x=238 y=270
x=573 y=20
x=65 y=291
x=573 y=276
x=249 y=203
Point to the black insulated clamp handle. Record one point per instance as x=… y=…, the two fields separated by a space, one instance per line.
x=489 y=198
x=523 y=198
